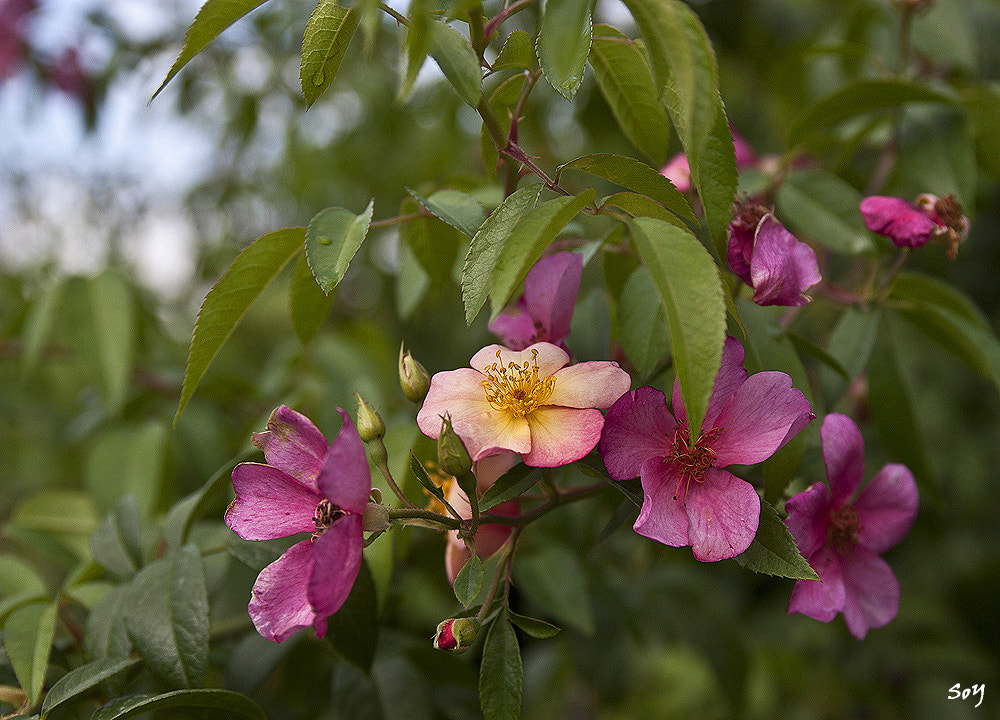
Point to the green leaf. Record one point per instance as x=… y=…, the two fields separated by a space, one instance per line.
x=637 y=176
x=456 y=208
x=417 y=468
x=182 y=515
x=225 y=700
x=81 y=679
x=469 y=581
x=858 y=98
x=528 y=240
x=564 y=44
x=105 y=634
x=27 y=637
x=715 y=176
x=691 y=291
x=127 y=460
x=166 y=615
x=508 y=486
x=500 y=674
x=805 y=346
x=773 y=551
x=353 y=629
x=821 y=206
x=117 y=543
x=488 y=243
x=937 y=152
x=532 y=626
x=332 y=239
x=418 y=40
x=638 y=205
x=307 y=304
x=850 y=344
x=214 y=17
x=354 y=694
x=17 y=576
x=457 y=60
x=251 y=272
x=113 y=317
x=38 y=324
x=553 y=578
x=517 y=52
x=642 y=324
x=625 y=80
x=434 y=242
x=328 y=32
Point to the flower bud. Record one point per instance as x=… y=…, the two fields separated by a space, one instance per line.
x=453 y=458
x=370 y=425
x=413 y=377
x=456 y=634
x=375 y=518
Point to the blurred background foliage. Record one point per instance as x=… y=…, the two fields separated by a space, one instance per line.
x=92 y=358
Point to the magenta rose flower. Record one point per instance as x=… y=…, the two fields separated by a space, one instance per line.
x=914 y=224
x=841 y=532
x=525 y=401
x=689 y=499
x=544 y=311
x=768 y=258
x=309 y=486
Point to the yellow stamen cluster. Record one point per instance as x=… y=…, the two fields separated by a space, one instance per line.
x=517 y=389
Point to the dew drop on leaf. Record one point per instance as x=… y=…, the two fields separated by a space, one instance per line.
x=324 y=241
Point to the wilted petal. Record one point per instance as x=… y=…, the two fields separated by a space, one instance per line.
x=820 y=599
x=809 y=517
x=872 y=591
x=345 y=479
x=723 y=513
x=781 y=267
x=757 y=419
x=279 y=605
x=886 y=507
x=270 y=504
x=292 y=444
x=637 y=427
x=550 y=291
x=594 y=384
x=662 y=517
x=561 y=435
x=336 y=560
x=900 y=221
x=844 y=456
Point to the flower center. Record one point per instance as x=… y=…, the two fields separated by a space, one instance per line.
x=516 y=389
x=691 y=460
x=326 y=514
x=842 y=532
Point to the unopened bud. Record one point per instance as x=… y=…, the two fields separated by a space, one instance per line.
x=413 y=377
x=453 y=458
x=375 y=518
x=456 y=634
x=370 y=425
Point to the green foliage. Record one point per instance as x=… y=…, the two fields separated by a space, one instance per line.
x=328 y=32
x=457 y=60
x=500 y=678
x=224 y=700
x=773 y=550
x=332 y=239
x=564 y=44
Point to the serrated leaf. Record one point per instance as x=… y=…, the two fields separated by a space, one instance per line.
x=113 y=317
x=517 y=52
x=332 y=240
x=227 y=302
x=456 y=208
x=433 y=242
x=821 y=206
x=328 y=32
x=554 y=579
x=564 y=44
x=638 y=205
x=27 y=638
x=773 y=550
x=637 y=176
x=528 y=240
x=508 y=486
x=500 y=674
x=488 y=243
x=716 y=178
x=117 y=542
x=691 y=292
x=626 y=82
x=642 y=324
x=166 y=616
x=211 y=699
x=308 y=306
x=532 y=626
x=214 y=17
x=858 y=98
x=469 y=581
x=81 y=679
x=418 y=39
x=457 y=60
x=353 y=629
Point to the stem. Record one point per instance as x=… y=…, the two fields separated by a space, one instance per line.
x=384 y=469
x=503 y=571
x=421 y=514
x=386 y=222
x=519 y=521
x=500 y=141
x=477 y=35
x=493 y=24
x=399 y=18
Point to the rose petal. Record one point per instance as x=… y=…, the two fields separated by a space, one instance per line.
x=678 y=171
x=886 y=508
x=517 y=329
x=900 y=221
x=723 y=513
x=781 y=267
x=637 y=427
x=730 y=376
x=561 y=435
x=490 y=468
x=549 y=357
x=662 y=517
x=345 y=479
x=594 y=384
x=872 y=591
x=270 y=504
x=337 y=558
x=809 y=517
x=820 y=599
x=550 y=291
x=279 y=606
x=292 y=444
x=844 y=456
